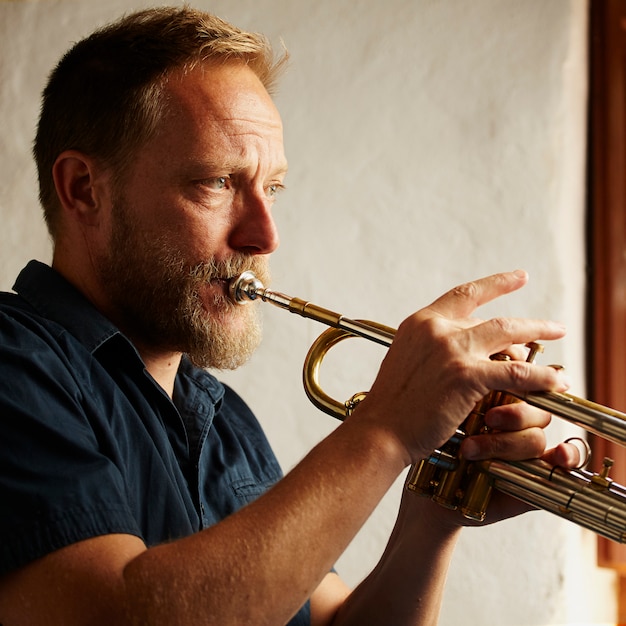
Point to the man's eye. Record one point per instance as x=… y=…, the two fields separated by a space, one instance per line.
x=274 y=189
x=219 y=182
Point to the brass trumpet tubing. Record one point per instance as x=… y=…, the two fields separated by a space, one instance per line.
x=590 y=500
x=310 y=374
x=359 y=328
x=568 y=494
x=318 y=350
x=450 y=487
x=444 y=458
x=367 y=330
x=248 y=287
x=598 y=419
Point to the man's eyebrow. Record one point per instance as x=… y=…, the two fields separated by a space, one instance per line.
x=208 y=167
x=237 y=166
x=280 y=170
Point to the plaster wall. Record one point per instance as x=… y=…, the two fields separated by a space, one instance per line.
x=430 y=142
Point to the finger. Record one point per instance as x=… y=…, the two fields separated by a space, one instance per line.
x=565 y=455
x=502 y=335
x=516 y=416
x=522 y=376
x=461 y=301
x=508 y=446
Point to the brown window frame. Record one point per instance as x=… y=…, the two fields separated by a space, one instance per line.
x=606 y=227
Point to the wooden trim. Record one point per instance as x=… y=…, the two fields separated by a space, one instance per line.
x=607 y=233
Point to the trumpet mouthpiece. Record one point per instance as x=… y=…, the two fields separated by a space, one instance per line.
x=245 y=287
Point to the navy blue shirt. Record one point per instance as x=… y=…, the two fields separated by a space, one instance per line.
x=90 y=444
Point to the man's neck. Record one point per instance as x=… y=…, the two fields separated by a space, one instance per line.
x=162 y=366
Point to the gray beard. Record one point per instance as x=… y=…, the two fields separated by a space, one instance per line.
x=156 y=301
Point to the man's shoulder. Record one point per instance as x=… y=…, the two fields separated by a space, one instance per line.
x=17 y=316
x=24 y=331
x=10 y=300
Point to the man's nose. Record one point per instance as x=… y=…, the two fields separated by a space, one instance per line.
x=255 y=230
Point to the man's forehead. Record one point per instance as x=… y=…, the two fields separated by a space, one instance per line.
x=222 y=92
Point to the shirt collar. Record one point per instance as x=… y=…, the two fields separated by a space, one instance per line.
x=53 y=297
x=56 y=299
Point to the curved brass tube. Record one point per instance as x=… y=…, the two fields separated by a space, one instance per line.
x=585 y=498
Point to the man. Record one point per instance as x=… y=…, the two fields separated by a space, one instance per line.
x=124 y=467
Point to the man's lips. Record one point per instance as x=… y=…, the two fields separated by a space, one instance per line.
x=221 y=284
x=218 y=281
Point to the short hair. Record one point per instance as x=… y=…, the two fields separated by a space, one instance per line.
x=106 y=95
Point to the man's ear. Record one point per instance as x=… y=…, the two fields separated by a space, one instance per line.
x=78 y=181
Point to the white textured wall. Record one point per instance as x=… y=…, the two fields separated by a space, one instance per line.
x=430 y=142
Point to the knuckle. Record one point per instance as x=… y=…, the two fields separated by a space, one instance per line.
x=519 y=372
x=433 y=329
x=420 y=322
x=503 y=326
x=467 y=291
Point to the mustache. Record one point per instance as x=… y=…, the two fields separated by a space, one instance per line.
x=229 y=268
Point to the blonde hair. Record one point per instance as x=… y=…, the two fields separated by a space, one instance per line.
x=105 y=97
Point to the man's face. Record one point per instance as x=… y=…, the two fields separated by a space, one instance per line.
x=195 y=210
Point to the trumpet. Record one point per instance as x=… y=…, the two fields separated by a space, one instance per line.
x=589 y=499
